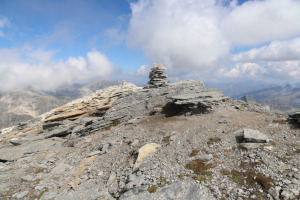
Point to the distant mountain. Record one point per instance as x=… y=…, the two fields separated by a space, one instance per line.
x=80 y=90
x=282 y=96
x=235 y=89
x=22 y=105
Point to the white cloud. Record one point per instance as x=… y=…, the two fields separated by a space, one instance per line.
x=275 y=51
x=192 y=37
x=42 y=73
x=181 y=34
x=271 y=71
x=256 y=22
x=244 y=69
x=143 y=70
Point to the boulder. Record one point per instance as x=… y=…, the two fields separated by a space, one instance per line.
x=254 y=136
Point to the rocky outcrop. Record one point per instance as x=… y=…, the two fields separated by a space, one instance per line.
x=157 y=76
x=145 y=101
x=95 y=104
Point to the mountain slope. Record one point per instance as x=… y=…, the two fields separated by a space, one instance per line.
x=283 y=96
x=181 y=141
x=21 y=105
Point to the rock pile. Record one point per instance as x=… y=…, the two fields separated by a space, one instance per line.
x=157 y=76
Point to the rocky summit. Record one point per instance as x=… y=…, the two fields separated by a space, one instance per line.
x=177 y=141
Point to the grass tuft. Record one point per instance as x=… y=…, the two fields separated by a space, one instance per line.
x=194 y=152
x=200 y=168
x=213 y=140
x=152 y=189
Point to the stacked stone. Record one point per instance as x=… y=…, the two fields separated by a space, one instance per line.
x=157 y=76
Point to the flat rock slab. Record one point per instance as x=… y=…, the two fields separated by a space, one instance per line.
x=16 y=152
x=254 y=136
x=64 y=116
x=177 y=190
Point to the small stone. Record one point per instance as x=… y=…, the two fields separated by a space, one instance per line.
x=93 y=153
x=295 y=181
x=111 y=179
x=286 y=181
x=135 y=143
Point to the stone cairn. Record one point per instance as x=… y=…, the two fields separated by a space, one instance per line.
x=157 y=76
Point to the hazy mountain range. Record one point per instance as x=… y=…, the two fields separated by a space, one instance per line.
x=22 y=105
x=282 y=96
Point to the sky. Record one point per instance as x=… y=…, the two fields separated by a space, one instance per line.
x=52 y=43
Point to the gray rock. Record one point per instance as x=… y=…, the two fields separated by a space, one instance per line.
x=177 y=190
x=274 y=192
x=143 y=102
x=196 y=103
x=20 y=195
x=88 y=190
x=60 y=132
x=18 y=141
x=51 y=125
x=17 y=152
x=93 y=153
x=111 y=179
x=254 y=136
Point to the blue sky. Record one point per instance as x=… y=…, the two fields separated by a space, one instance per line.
x=50 y=43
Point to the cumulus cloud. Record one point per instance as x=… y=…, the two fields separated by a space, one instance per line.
x=38 y=71
x=256 y=22
x=239 y=70
x=197 y=37
x=270 y=71
x=275 y=51
x=180 y=34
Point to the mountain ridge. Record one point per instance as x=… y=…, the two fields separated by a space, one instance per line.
x=190 y=142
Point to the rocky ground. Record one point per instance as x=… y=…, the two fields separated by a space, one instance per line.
x=197 y=146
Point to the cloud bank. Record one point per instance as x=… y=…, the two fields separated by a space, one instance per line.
x=34 y=68
x=192 y=36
